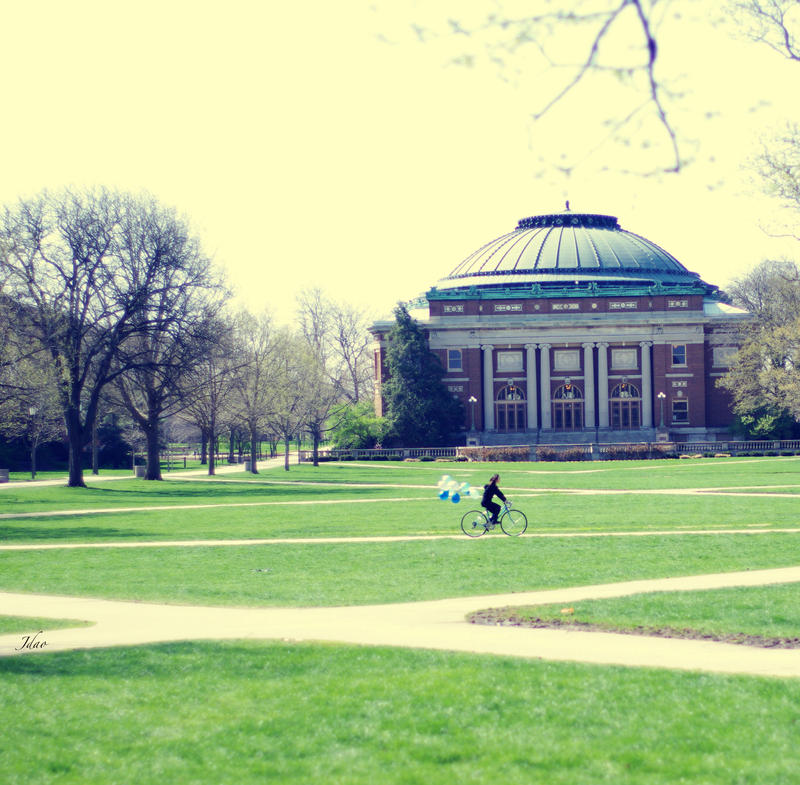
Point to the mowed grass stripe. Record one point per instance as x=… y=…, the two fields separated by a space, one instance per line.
x=161 y=508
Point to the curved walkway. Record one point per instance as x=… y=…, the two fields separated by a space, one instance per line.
x=437 y=624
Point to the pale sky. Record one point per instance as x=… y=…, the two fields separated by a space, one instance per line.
x=321 y=144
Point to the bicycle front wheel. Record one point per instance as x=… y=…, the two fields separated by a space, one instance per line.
x=473 y=524
x=513 y=522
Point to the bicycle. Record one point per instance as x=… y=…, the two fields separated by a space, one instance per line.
x=477 y=522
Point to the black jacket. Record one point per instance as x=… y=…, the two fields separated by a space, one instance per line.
x=489 y=491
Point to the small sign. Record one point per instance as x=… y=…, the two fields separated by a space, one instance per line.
x=626 y=306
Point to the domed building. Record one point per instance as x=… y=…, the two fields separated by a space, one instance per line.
x=571 y=329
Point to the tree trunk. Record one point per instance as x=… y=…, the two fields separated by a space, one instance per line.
x=72 y=422
x=95 y=450
x=253 y=451
x=75 y=438
x=212 y=448
x=153 y=471
x=203 y=447
x=286 y=454
x=231 y=448
x=315 y=434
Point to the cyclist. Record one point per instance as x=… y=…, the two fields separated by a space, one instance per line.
x=489 y=491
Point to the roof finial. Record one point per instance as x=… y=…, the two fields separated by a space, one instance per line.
x=567 y=205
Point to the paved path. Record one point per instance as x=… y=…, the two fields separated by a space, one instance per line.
x=437 y=624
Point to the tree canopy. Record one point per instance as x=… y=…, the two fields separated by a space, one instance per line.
x=419 y=409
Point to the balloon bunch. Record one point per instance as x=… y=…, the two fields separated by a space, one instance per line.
x=448 y=487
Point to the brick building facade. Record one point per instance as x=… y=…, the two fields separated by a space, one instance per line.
x=571 y=329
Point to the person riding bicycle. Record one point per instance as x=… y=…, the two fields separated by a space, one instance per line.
x=489 y=491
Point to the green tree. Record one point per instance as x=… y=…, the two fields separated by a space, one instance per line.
x=764 y=378
x=419 y=409
x=358 y=428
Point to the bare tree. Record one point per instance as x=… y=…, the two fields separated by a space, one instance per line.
x=775 y=23
x=616 y=45
x=338 y=337
x=288 y=412
x=31 y=410
x=208 y=389
x=83 y=269
x=257 y=379
x=152 y=390
x=352 y=342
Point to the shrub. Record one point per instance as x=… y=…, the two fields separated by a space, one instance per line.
x=573 y=454
x=663 y=451
x=505 y=454
x=546 y=454
x=625 y=452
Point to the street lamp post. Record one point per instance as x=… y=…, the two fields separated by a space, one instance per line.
x=472 y=401
x=661 y=397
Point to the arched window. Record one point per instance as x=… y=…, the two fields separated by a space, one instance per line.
x=510 y=411
x=625 y=407
x=568 y=407
x=568 y=391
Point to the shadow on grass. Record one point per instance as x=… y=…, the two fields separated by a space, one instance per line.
x=200 y=493
x=121 y=662
x=162 y=660
x=69 y=532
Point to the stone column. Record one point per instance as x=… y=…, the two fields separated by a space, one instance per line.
x=531 y=392
x=647 y=386
x=488 y=387
x=547 y=409
x=602 y=384
x=588 y=385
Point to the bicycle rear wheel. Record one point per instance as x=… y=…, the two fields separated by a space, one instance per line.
x=513 y=522
x=473 y=524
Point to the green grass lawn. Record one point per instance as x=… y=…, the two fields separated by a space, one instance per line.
x=328 y=574
x=26 y=624
x=737 y=614
x=401 y=499
x=277 y=712
x=242 y=713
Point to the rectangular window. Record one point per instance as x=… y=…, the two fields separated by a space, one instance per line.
x=723 y=355
x=566 y=360
x=509 y=361
x=679 y=354
x=454 y=360
x=624 y=358
x=680 y=412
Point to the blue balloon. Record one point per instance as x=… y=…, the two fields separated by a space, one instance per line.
x=456 y=498
x=443 y=495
